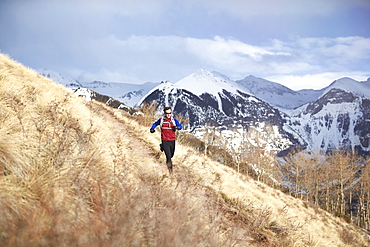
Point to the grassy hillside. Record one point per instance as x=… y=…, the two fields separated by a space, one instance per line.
x=77 y=173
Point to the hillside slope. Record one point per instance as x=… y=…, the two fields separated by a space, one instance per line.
x=81 y=173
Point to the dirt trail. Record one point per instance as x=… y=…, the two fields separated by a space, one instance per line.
x=128 y=133
x=140 y=148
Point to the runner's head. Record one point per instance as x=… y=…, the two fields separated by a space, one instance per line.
x=167 y=111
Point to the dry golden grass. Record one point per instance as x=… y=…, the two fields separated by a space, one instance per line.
x=76 y=173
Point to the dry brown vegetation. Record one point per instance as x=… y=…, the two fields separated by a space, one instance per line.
x=77 y=173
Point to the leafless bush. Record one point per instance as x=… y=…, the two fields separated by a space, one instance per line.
x=149 y=115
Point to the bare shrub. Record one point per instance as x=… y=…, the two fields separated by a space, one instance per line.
x=149 y=110
x=347 y=236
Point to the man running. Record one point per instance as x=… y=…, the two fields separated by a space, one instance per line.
x=168 y=125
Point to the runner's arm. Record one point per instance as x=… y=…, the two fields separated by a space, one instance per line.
x=156 y=124
x=179 y=127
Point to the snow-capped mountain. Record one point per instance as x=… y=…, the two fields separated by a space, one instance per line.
x=204 y=81
x=336 y=116
x=361 y=89
x=211 y=98
x=59 y=78
x=277 y=94
x=333 y=117
x=340 y=117
x=88 y=95
x=127 y=93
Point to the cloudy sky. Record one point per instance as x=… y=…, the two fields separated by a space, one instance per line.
x=300 y=44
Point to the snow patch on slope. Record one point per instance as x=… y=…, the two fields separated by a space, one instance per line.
x=331 y=127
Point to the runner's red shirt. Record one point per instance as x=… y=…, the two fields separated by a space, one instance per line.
x=167 y=133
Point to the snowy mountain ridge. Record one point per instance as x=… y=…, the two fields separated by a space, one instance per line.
x=361 y=89
x=340 y=117
x=66 y=81
x=277 y=94
x=204 y=81
x=211 y=98
x=335 y=116
x=127 y=93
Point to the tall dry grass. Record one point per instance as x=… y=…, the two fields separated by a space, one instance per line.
x=71 y=177
x=76 y=173
x=260 y=214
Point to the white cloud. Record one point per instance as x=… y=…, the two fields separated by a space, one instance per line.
x=332 y=54
x=139 y=41
x=349 y=47
x=225 y=51
x=155 y=58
